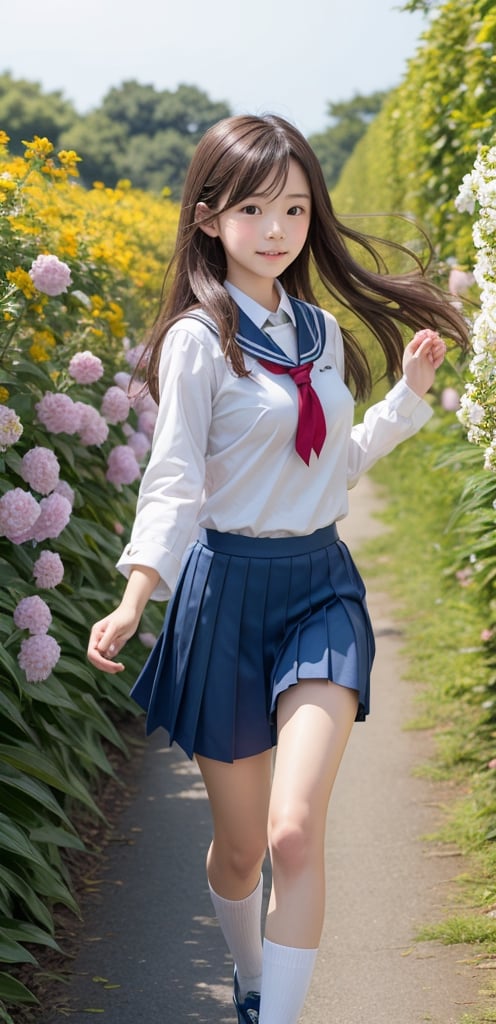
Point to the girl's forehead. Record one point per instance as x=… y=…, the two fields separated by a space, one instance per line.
x=281 y=180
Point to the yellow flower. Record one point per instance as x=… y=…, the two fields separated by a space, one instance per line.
x=4 y=394
x=45 y=338
x=39 y=353
x=68 y=243
x=38 y=149
x=69 y=159
x=4 y=139
x=21 y=279
x=7 y=184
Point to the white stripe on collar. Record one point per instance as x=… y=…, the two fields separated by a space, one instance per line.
x=258 y=314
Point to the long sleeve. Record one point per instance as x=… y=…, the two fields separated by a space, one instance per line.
x=385 y=425
x=172 y=485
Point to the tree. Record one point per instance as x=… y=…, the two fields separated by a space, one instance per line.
x=25 y=111
x=143 y=134
x=351 y=119
x=156 y=162
x=138 y=132
x=98 y=141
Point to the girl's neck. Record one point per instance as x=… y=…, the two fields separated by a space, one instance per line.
x=264 y=292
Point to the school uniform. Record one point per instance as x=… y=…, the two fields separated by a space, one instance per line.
x=241 y=526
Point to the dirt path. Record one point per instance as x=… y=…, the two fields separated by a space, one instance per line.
x=152 y=951
x=384 y=880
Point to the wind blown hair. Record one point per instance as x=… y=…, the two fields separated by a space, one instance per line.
x=233 y=159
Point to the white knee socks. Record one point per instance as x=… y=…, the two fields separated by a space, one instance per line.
x=240 y=921
x=287 y=973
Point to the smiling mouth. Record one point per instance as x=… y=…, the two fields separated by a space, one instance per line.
x=278 y=252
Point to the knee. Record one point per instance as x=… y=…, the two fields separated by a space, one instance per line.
x=291 y=844
x=240 y=858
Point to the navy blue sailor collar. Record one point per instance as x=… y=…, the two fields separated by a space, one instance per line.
x=308 y=320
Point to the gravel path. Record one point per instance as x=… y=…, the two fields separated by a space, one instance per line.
x=152 y=951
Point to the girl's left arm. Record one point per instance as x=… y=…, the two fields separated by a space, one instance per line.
x=402 y=412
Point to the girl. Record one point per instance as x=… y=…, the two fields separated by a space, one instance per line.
x=267 y=638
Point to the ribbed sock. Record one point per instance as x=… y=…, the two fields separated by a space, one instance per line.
x=240 y=921
x=286 y=973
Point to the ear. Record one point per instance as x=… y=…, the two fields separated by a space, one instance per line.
x=202 y=213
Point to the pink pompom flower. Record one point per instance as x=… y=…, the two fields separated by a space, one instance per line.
x=123 y=467
x=93 y=429
x=18 y=514
x=85 y=368
x=40 y=469
x=10 y=427
x=48 y=570
x=133 y=356
x=140 y=444
x=122 y=380
x=66 y=491
x=55 y=512
x=146 y=422
x=34 y=614
x=115 y=405
x=460 y=281
x=450 y=399
x=38 y=657
x=58 y=413
x=148 y=639
x=50 y=275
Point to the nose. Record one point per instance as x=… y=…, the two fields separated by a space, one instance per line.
x=274 y=229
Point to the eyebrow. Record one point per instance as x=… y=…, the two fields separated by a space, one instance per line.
x=289 y=195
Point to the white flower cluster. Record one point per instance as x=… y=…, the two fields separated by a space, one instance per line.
x=478 y=403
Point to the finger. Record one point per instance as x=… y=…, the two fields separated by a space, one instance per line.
x=104 y=664
x=430 y=346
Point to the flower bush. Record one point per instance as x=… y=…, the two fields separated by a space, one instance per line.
x=478 y=403
x=79 y=274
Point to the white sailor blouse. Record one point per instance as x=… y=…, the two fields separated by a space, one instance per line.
x=223 y=454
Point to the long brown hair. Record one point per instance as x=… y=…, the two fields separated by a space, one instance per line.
x=231 y=162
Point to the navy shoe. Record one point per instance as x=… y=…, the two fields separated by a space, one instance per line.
x=249 y=1009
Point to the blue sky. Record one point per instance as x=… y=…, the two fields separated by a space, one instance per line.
x=284 y=56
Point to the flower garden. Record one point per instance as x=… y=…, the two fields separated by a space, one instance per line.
x=80 y=272
x=80 y=276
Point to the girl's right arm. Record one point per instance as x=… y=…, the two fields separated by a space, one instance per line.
x=170 y=493
x=110 y=634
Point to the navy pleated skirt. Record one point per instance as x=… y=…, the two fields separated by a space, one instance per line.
x=250 y=617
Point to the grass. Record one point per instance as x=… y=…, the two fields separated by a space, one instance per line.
x=442 y=618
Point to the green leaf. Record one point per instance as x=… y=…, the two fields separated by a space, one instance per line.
x=15 y=841
x=11 y=667
x=11 y=952
x=57 y=836
x=24 y=891
x=39 y=793
x=24 y=931
x=12 y=991
x=10 y=711
x=41 y=767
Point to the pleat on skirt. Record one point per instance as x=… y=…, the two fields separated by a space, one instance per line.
x=249 y=618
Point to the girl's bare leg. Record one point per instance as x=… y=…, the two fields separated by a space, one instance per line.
x=315 y=718
x=239 y=800
x=314 y=721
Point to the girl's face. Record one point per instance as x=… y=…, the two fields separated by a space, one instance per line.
x=263 y=234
